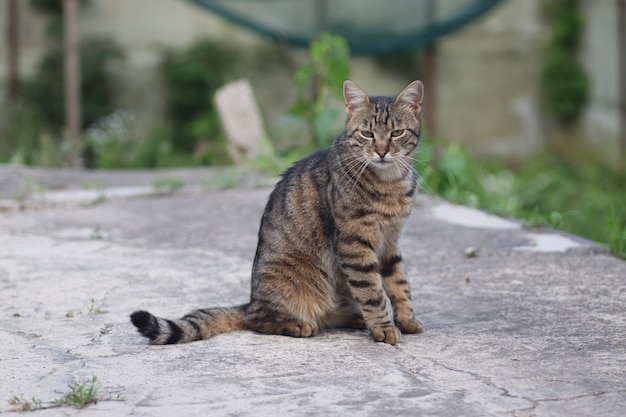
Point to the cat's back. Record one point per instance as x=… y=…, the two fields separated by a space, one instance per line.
x=303 y=182
x=298 y=212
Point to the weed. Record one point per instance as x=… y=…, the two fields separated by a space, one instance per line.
x=616 y=235
x=167 y=184
x=227 y=179
x=26 y=405
x=91 y=185
x=31 y=188
x=534 y=219
x=79 y=396
x=93 y=309
x=326 y=69
x=192 y=76
x=96 y=234
x=576 y=192
x=101 y=196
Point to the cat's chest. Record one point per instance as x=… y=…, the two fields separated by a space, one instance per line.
x=385 y=202
x=394 y=199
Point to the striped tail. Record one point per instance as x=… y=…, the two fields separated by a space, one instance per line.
x=197 y=325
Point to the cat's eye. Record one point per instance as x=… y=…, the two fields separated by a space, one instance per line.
x=397 y=133
x=367 y=134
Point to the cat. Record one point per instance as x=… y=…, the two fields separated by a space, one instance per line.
x=327 y=250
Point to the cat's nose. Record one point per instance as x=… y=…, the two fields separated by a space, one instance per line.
x=381 y=154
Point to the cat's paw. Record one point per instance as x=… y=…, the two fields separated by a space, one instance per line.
x=387 y=334
x=411 y=326
x=299 y=329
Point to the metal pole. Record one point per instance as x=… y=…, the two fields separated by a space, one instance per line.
x=72 y=79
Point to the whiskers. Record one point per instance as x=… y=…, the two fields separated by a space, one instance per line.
x=421 y=181
x=354 y=165
x=402 y=162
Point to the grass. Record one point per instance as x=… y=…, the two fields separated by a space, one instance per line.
x=31 y=188
x=79 y=396
x=167 y=184
x=93 y=310
x=616 y=230
x=574 y=192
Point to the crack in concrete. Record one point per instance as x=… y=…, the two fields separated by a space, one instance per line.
x=486 y=380
x=528 y=411
x=577 y=397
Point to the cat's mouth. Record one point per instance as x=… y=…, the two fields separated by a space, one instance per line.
x=383 y=163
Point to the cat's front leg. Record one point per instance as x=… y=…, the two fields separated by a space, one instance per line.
x=397 y=288
x=360 y=265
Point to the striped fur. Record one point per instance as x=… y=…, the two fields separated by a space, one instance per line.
x=327 y=254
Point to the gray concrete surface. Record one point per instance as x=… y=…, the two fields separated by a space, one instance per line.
x=534 y=325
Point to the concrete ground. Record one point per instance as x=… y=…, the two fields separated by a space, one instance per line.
x=517 y=322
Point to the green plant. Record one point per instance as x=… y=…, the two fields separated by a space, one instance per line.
x=44 y=93
x=616 y=234
x=321 y=77
x=535 y=218
x=108 y=142
x=94 y=310
x=35 y=132
x=167 y=184
x=23 y=134
x=79 y=396
x=20 y=404
x=111 y=142
x=575 y=192
x=192 y=76
x=565 y=85
x=96 y=234
x=226 y=179
x=32 y=187
x=457 y=176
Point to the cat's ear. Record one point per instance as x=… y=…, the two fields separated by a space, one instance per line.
x=412 y=96
x=354 y=97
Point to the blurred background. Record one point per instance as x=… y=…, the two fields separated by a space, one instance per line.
x=525 y=109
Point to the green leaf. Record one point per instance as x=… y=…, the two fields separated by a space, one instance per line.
x=323 y=123
x=338 y=72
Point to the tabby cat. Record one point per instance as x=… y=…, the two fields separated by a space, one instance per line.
x=328 y=242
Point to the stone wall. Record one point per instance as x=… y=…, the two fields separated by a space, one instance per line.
x=601 y=122
x=488 y=82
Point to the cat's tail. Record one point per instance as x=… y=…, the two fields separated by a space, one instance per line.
x=197 y=325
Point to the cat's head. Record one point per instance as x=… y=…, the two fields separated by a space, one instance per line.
x=384 y=131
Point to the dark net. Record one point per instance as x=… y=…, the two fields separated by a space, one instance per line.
x=369 y=26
